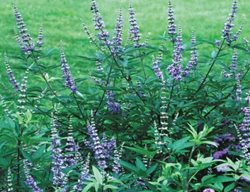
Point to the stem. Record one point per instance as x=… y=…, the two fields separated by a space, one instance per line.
x=228 y=95
x=189 y=162
x=105 y=91
x=210 y=68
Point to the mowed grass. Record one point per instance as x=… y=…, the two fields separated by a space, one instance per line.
x=62 y=21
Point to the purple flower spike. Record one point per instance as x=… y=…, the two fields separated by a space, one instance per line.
x=244 y=133
x=228 y=26
x=30 y=181
x=220 y=154
x=39 y=42
x=71 y=148
x=23 y=38
x=117 y=40
x=103 y=34
x=108 y=146
x=134 y=28
x=116 y=164
x=59 y=178
x=113 y=107
x=233 y=66
x=171 y=21
x=238 y=87
x=68 y=79
x=11 y=75
x=175 y=69
x=83 y=176
x=156 y=67
x=193 y=62
x=97 y=146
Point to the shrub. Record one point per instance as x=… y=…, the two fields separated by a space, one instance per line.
x=170 y=123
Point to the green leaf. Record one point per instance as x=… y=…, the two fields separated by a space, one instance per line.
x=142 y=151
x=129 y=166
x=229 y=187
x=98 y=176
x=140 y=164
x=88 y=187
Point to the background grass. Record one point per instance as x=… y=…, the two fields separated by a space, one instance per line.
x=62 y=21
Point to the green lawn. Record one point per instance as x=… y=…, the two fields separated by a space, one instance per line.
x=62 y=19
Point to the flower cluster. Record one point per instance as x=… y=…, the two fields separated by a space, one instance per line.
x=30 y=181
x=175 y=69
x=23 y=38
x=71 y=147
x=39 y=42
x=103 y=34
x=228 y=26
x=84 y=175
x=117 y=40
x=68 y=79
x=193 y=62
x=220 y=154
x=156 y=67
x=171 y=21
x=58 y=164
x=98 y=149
x=11 y=75
x=117 y=156
x=108 y=146
x=113 y=107
x=134 y=28
x=244 y=133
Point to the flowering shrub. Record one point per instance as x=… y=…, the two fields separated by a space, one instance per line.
x=167 y=124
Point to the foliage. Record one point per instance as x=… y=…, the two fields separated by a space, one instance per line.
x=170 y=123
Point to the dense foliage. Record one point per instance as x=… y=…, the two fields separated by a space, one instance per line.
x=152 y=117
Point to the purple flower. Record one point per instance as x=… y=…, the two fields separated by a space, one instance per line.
x=71 y=148
x=134 y=28
x=84 y=175
x=116 y=168
x=39 y=42
x=220 y=154
x=175 y=69
x=113 y=107
x=58 y=164
x=217 y=43
x=193 y=62
x=68 y=79
x=108 y=146
x=208 y=190
x=97 y=146
x=244 y=133
x=11 y=75
x=238 y=87
x=103 y=34
x=117 y=40
x=156 y=67
x=233 y=66
x=223 y=168
x=171 y=21
x=228 y=26
x=227 y=137
x=30 y=181
x=23 y=38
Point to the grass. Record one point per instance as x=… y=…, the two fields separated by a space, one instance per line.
x=62 y=19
